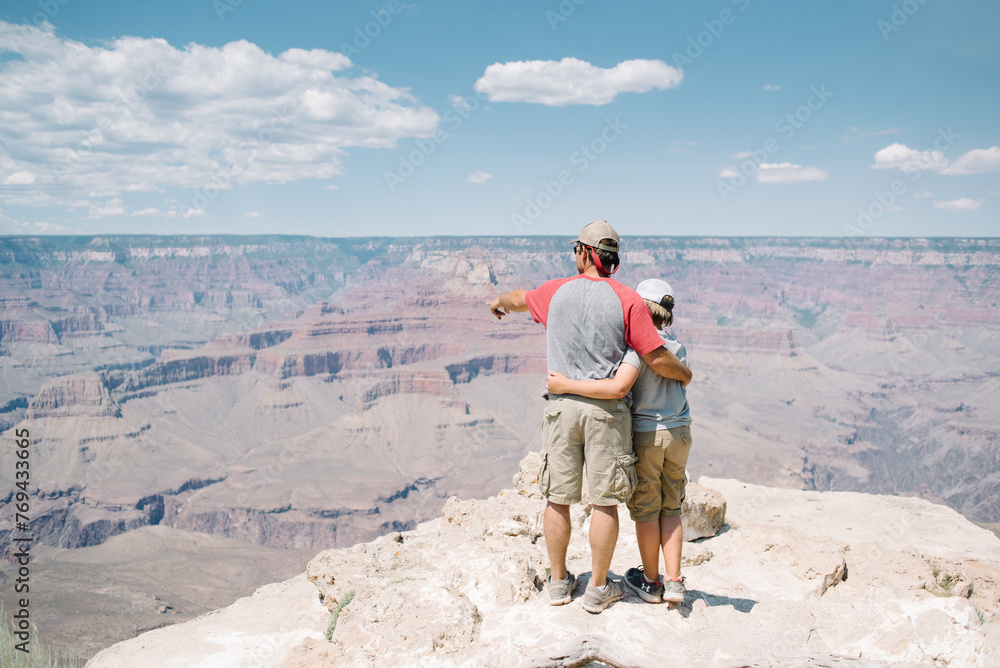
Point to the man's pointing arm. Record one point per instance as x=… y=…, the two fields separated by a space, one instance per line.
x=507 y=302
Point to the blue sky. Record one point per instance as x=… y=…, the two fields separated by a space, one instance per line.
x=726 y=117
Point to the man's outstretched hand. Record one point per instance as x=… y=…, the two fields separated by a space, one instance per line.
x=507 y=302
x=497 y=309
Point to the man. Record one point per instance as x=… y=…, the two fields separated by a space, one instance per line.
x=590 y=322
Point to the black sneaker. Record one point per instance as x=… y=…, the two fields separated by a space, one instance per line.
x=651 y=592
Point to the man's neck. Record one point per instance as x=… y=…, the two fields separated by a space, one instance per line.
x=591 y=271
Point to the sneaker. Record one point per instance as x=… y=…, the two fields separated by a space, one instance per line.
x=673 y=590
x=561 y=591
x=651 y=592
x=597 y=599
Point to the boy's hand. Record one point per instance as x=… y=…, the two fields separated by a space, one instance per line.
x=556 y=383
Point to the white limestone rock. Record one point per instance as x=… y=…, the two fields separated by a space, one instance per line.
x=794 y=579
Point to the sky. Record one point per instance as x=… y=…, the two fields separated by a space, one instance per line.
x=412 y=118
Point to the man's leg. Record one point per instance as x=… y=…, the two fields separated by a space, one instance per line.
x=603 y=537
x=557 y=533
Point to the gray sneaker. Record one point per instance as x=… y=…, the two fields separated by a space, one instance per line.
x=674 y=590
x=561 y=591
x=597 y=599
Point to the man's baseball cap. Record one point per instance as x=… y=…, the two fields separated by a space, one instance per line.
x=594 y=231
x=655 y=290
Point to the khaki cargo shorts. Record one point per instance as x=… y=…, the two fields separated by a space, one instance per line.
x=663 y=456
x=578 y=431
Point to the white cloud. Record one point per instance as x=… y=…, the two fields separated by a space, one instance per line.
x=459 y=102
x=479 y=177
x=19 y=179
x=922 y=195
x=114 y=207
x=786 y=172
x=771 y=87
x=976 y=161
x=740 y=155
x=961 y=204
x=894 y=209
x=251 y=214
x=148 y=211
x=140 y=114
x=573 y=81
x=909 y=159
x=332 y=186
x=728 y=173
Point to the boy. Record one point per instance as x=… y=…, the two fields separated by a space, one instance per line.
x=661 y=428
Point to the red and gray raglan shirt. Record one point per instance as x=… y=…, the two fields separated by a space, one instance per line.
x=590 y=323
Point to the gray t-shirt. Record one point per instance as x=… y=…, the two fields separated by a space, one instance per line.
x=589 y=325
x=658 y=402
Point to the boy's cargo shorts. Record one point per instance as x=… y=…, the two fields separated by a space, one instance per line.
x=596 y=432
x=663 y=456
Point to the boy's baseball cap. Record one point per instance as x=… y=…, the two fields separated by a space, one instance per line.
x=594 y=231
x=655 y=290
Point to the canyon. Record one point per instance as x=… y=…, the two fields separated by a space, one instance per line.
x=282 y=395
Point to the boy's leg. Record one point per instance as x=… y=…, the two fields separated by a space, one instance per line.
x=672 y=541
x=674 y=482
x=644 y=506
x=647 y=535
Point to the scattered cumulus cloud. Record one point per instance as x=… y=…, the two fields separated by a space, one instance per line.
x=771 y=87
x=961 y=204
x=148 y=211
x=138 y=114
x=741 y=155
x=900 y=156
x=786 y=172
x=459 y=102
x=479 y=177
x=558 y=83
x=976 y=161
x=251 y=214
x=728 y=173
x=19 y=179
x=114 y=207
x=332 y=186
